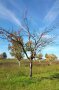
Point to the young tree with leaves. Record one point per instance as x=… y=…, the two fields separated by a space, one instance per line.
x=16 y=49
x=50 y=58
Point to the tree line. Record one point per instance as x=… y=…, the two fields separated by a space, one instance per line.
x=48 y=57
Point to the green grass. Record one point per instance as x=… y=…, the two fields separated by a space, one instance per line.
x=13 y=77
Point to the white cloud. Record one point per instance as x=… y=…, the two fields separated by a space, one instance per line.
x=7 y=14
x=48 y=36
x=53 y=13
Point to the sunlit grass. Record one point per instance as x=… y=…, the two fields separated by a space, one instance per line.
x=13 y=77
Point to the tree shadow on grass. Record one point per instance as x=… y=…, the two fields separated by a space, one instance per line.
x=55 y=76
x=51 y=77
x=38 y=79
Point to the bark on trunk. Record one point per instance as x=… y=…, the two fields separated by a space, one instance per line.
x=31 y=68
x=19 y=63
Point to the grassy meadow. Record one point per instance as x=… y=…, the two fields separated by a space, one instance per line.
x=13 y=77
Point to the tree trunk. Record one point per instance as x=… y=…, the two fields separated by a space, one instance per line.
x=31 y=68
x=19 y=63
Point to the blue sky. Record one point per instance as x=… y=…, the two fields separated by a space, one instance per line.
x=41 y=13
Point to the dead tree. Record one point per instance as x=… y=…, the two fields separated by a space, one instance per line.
x=35 y=42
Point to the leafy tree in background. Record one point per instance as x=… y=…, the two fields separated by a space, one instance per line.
x=16 y=49
x=50 y=57
x=40 y=56
x=4 y=55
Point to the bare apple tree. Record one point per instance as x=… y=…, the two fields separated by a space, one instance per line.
x=32 y=42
